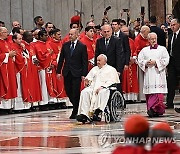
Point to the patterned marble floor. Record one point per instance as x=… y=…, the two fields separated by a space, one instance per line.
x=53 y=132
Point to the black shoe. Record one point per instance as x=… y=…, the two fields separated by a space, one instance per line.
x=96 y=118
x=73 y=116
x=169 y=106
x=177 y=110
x=152 y=113
x=43 y=108
x=82 y=118
x=97 y=112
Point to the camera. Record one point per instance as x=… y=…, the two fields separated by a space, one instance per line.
x=170 y=17
x=142 y=9
x=126 y=10
x=138 y=19
x=106 y=10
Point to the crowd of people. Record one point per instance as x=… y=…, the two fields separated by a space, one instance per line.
x=38 y=67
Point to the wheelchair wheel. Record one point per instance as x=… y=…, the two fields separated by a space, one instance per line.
x=117 y=106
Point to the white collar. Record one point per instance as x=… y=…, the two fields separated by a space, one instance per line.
x=75 y=42
x=117 y=33
x=177 y=32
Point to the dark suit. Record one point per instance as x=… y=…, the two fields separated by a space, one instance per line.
x=126 y=48
x=173 y=69
x=75 y=66
x=161 y=35
x=113 y=52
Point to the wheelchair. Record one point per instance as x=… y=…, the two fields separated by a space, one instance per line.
x=113 y=111
x=115 y=107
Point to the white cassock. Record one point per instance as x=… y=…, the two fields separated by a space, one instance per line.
x=89 y=100
x=154 y=77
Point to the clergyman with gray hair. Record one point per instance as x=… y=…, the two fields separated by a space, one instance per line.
x=94 y=97
x=153 y=60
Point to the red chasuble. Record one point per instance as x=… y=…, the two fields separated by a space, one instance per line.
x=56 y=47
x=130 y=150
x=21 y=65
x=65 y=39
x=8 y=85
x=129 y=77
x=163 y=148
x=34 y=86
x=140 y=43
x=90 y=49
x=46 y=59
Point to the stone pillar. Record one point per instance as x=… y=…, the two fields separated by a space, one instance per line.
x=168 y=6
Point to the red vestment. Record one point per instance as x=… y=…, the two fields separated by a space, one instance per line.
x=129 y=77
x=9 y=39
x=21 y=65
x=163 y=148
x=140 y=43
x=56 y=47
x=90 y=44
x=8 y=84
x=46 y=60
x=130 y=150
x=65 y=39
x=95 y=37
x=35 y=88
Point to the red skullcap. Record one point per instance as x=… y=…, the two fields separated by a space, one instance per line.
x=136 y=124
x=75 y=19
x=162 y=126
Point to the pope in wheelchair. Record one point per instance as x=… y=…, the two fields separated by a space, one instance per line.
x=95 y=96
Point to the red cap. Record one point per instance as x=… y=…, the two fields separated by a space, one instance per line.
x=136 y=124
x=75 y=19
x=162 y=126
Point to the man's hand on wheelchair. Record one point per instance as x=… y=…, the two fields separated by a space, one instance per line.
x=97 y=91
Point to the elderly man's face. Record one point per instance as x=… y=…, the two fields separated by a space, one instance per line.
x=101 y=61
x=73 y=34
x=107 y=31
x=153 y=39
x=174 y=26
x=3 y=33
x=146 y=32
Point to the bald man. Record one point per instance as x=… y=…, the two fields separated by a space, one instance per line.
x=8 y=86
x=75 y=60
x=110 y=46
x=140 y=42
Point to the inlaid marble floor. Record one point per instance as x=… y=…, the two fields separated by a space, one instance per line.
x=53 y=132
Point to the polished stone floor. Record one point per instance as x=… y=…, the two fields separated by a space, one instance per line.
x=53 y=132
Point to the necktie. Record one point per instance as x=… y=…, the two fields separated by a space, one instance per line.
x=107 y=43
x=174 y=38
x=115 y=35
x=173 y=41
x=72 y=48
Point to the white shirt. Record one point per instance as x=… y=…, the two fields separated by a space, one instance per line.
x=75 y=42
